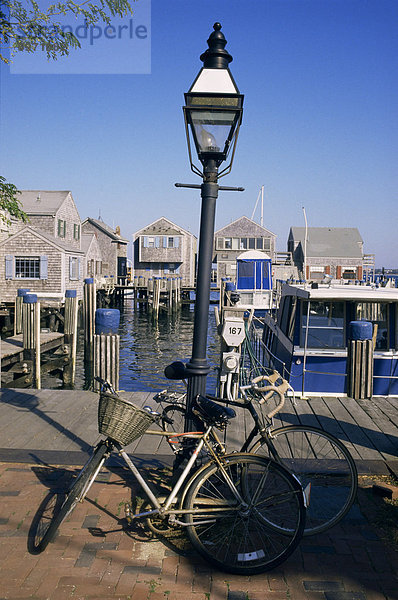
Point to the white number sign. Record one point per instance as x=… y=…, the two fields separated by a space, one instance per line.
x=233 y=331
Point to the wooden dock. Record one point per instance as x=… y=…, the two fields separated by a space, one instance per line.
x=11 y=349
x=60 y=426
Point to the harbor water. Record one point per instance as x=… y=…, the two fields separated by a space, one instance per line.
x=147 y=346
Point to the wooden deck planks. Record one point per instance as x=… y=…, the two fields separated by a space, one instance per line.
x=383 y=431
x=389 y=408
x=357 y=437
x=377 y=438
x=63 y=420
x=14 y=345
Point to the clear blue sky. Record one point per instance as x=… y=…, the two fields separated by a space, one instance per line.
x=319 y=127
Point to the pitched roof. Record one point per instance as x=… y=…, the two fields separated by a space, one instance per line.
x=329 y=241
x=99 y=223
x=162 y=226
x=42 y=202
x=45 y=237
x=86 y=240
x=244 y=221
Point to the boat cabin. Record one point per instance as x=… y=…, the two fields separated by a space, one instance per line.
x=254 y=280
x=308 y=339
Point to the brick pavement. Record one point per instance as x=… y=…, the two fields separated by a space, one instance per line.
x=95 y=557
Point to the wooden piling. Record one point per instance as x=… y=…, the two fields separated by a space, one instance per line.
x=31 y=334
x=106 y=359
x=18 y=310
x=70 y=332
x=360 y=360
x=89 y=308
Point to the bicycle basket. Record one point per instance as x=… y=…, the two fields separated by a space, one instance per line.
x=121 y=420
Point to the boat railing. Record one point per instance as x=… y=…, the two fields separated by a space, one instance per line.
x=257 y=349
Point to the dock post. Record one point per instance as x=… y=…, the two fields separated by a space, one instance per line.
x=106 y=347
x=360 y=360
x=221 y=298
x=18 y=310
x=169 y=283
x=70 y=332
x=156 y=297
x=89 y=307
x=31 y=334
x=179 y=291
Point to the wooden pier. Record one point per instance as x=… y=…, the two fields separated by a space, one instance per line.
x=20 y=369
x=60 y=426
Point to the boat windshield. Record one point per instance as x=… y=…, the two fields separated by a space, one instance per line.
x=325 y=324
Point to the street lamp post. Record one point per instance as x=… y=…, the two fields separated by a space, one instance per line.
x=213 y=114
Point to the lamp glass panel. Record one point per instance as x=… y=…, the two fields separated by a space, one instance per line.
x=212 y=129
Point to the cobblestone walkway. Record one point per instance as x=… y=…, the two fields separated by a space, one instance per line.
x=95 y=556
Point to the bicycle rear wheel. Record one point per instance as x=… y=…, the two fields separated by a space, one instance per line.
x=59 y=504
x=175 y=412
x=324 y=467
x=245 y=539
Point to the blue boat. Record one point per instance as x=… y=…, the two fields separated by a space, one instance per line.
x=307 y=339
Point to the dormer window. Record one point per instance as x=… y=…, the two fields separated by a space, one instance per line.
x=61 y=228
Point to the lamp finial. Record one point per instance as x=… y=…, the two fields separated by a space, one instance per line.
x=216 y=57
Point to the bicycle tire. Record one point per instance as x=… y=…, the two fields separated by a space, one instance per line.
x=59 y=504
x=240 y=540
x=323 y=465
x=176 y=413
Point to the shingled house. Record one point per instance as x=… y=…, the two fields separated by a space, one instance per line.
x=113 y=249
x=162 y=248
x=233 y=239
x=334 y=251
x=45 y=255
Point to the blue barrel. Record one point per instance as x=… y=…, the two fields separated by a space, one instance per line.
x=229 y=286
x=360 y=330
x=106 y=320
x=30 y=299
x=22 y=291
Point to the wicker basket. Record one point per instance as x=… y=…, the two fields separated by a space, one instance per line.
x=121 y=420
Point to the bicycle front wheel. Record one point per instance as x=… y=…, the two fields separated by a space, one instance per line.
x=246 y=537
x=59 y=504
x=323 y=465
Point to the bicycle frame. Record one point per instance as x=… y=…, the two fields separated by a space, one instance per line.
x=165 y=508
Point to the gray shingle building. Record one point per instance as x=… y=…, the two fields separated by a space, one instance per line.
x=113 y=248
x=335 y=251
x=45 y=255
x=162 y=248
x=233 y=239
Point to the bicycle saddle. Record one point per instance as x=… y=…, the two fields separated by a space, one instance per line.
x=212 y=413
x=176 y=370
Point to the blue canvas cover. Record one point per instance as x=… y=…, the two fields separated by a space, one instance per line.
x=254 y=271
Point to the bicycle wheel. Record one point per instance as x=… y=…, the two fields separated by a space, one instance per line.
x=249 y=537
x=323 y=465
x=59 y=504
x=176 y=413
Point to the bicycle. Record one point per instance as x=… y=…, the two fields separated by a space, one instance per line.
x=321 y=462
x=243 y=513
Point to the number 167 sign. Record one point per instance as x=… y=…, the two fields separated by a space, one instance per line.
x=233 y=331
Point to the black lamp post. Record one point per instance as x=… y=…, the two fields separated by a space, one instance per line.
x=213 y=114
